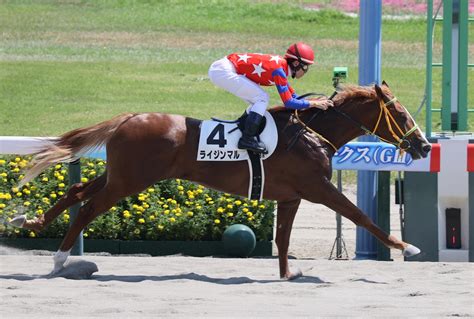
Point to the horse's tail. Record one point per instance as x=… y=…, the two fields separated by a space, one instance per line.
x=73 y=144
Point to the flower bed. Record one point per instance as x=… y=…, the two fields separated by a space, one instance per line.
x=175 y=210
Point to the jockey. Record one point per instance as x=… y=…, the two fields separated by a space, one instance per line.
x=242 y=74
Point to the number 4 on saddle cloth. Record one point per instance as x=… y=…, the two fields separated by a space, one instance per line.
x=218 y=141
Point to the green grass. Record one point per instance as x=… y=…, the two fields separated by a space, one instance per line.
x=66 y=64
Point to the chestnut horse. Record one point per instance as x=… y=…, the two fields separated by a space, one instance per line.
x=145 y=148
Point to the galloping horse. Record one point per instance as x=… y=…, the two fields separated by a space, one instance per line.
x=145 y=148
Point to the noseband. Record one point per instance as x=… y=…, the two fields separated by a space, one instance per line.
x=401 y=140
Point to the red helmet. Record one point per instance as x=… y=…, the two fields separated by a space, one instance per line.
x=300 y=51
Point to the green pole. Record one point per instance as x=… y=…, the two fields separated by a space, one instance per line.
x=75 y=177
x=462 y=66
x=429 y=65
x=383 y=212
x=447 y=80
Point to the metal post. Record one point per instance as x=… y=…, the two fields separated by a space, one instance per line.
x=370 y=49
x=75 y=177
x=383 y=212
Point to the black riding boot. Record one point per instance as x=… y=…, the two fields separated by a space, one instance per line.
x=248 y=140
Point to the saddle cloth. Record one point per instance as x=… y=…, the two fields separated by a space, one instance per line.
x=218 y=140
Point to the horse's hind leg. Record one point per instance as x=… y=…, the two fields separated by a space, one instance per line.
x=333 y=199
x=76 y=193
x=98 y=204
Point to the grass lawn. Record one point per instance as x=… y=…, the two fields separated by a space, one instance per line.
x=66 y=64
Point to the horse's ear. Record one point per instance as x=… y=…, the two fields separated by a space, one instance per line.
x=379 y=92
x=385 y=83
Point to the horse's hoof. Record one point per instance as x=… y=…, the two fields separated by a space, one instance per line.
x=18 y=221
x=55 y=272
x=291 y=276
x=411 y=250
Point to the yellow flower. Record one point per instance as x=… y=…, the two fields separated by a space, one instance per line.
x=8 y=196
x=217 y=221
x=172 y=219
x=126 y=214
x=220 y=210
x=85 y=235
x=26 y=191
x=136 y=231
x=150 y=190
x=113 y=209
x=174 y=202
x=160 y=227
x=92 y=173
x=190 y=214
x=230 y=206
x=2 y=205
x=32 y=234
x=27 y=203
x=39 y=212
x=53 y=195
x=44 y=179
x=230 y=214
x=17 y=159
x=165 y=206
x=19 y=194
x=101 y=163
x=238 y=202
x=15 y=189
x=84 y=179
x=166 y=212
x=16 y=170
x=142 y=198
x=60 y=193
x=58 y=166
x=141 y=221
x=145 y=205
x=3 y=175
x=180 y=188
x=250 y=219
x=2 y=162
x=152 y=217
x=61 y=178
x=261 y=206
x=249 y=214
x=61 y=185
x=66 y=218
x=245 y=210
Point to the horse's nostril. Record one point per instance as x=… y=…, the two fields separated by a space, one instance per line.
x=426 y=148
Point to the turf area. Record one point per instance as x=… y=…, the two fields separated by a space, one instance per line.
x=65 y=64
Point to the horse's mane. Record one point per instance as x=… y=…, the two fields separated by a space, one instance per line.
x=345 y=92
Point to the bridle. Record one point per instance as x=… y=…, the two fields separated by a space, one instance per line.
x=400 y=139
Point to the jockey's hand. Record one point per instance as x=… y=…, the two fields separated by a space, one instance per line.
x=322 y=104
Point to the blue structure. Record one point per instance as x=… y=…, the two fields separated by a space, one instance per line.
x=370 y=49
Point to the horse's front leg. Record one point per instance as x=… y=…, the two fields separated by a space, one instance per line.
x=286 y=212
x=329 y=196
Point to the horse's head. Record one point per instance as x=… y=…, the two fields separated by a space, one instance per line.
x=396 y=126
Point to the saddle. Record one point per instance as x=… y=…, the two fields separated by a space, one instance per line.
x=218 y=141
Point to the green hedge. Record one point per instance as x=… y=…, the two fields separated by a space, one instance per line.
x=169 y=210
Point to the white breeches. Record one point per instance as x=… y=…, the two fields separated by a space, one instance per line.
x=222 y=73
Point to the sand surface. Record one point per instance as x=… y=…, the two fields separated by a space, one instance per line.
x=179 y=286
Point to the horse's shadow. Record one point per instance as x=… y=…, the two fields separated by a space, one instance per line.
x=187 y=276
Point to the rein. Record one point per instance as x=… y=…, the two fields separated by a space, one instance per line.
x=401 y=141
